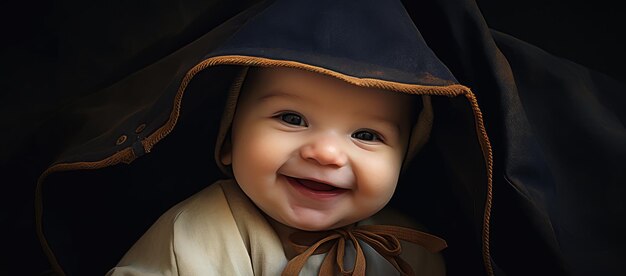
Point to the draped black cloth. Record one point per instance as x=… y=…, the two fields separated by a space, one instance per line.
x=556 y=127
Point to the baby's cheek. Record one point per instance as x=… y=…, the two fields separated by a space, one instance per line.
x=262 y=153
x=380 y=175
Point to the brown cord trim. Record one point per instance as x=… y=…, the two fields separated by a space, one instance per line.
x=488 y=155
x=127 y=155
x=150 y=141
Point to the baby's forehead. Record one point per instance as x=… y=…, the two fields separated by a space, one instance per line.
x=315 y=94
x=300 y=84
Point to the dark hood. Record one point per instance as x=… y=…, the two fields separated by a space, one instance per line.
x=148 y=141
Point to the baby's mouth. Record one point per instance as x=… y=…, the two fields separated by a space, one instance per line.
x=315 y=186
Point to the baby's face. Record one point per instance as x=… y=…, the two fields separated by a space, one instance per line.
x=314 y=152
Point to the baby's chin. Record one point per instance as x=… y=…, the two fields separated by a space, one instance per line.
x=312 y=225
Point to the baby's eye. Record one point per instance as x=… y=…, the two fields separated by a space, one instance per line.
x=366 y=135
x=292 y=119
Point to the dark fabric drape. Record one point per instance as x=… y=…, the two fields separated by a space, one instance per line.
x=557 y=127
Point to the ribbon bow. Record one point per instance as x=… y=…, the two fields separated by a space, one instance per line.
x=385 y=239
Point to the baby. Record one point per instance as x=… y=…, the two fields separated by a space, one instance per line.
x=318 y=126
x=315 y=153
x=312 y=153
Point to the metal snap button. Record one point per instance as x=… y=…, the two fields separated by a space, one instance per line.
x=121 y=140
x=140 y=128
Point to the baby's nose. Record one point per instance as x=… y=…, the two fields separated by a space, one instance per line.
x=326 y=150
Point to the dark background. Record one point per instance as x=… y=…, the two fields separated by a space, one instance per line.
x=59 y=50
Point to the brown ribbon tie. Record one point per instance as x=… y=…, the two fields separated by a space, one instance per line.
x=385 y=239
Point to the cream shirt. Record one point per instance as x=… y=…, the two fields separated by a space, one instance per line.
x=219 y=231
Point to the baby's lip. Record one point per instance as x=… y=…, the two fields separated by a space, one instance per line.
x=318 y=183
x=314 y=189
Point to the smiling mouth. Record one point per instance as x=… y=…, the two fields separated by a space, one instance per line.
x=314 y=185
x=314 y=188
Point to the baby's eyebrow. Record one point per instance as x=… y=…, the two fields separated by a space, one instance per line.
x=392 y=124
x=279 y=94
